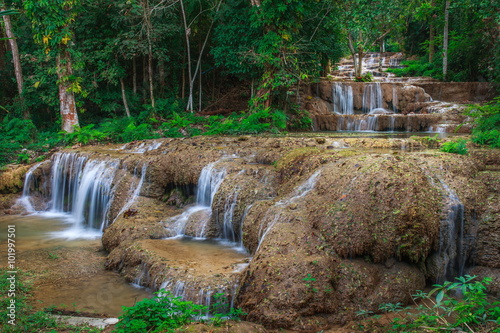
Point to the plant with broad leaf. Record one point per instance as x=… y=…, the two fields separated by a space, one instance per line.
x=462 y=305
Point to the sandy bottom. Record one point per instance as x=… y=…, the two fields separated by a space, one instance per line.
x=66 y=274
x=199 y=257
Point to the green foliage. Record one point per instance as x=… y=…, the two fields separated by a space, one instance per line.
x=428 y=141
x=462 y=305
x=221 y=310
x=83 y=135
x=253 y=123
x=15 y=133
x=487 y=123
x=418 y=67
x=309 y=279
x=113 y=130
x=164 y=312
x=455 y=147
x=367 y=77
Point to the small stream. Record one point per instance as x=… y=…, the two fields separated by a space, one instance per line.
x=67 y=274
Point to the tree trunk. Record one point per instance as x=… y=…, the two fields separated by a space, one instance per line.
x=445 y=40
x=202 y=49
x=144 y=78
x=150 y=74
x=431 y=43
x=187 y=32
x=431 y=36
x=161 y=75
x=134 y=77
x=358 y=62
x=200 y=92
x=147 y=21
x=17 y=62
x=124 y=97
x=183 y=83
x=359 y=69
x=67 y=102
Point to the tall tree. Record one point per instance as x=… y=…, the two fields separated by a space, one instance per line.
x=16 y=59
x=366 y=23
x=275 y=51
x=52 y=22
x=445 y=39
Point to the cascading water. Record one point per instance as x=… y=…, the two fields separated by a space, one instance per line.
x=357 y=123
x=274 y=213
x=372 y=97
x=449 y=261
x=395 y=99
x=82 y=188
x=135 y=189
x=451 y=239
x=208 y=183
x=342 y=99
x=228 y=231
x=29 y=181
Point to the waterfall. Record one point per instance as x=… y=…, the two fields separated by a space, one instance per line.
x=342 y=99
x=275 y=211
x=372 y=97
x=29 y=180
x=449 y=261
x=82 y=188
x=395 y=99
x=451 y=238
x=227 y=228
x=357 y=123
x=208 y=183
x=142 y=148
x=392 y=124
x=66 y=171
x=135 y=189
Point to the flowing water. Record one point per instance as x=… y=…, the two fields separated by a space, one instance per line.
x=68 y=274
x=199 y=215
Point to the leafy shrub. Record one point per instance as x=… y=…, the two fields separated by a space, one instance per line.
x=15 y=133
x=367 y=77
x=418 y=67
x=238 y=123
x=428 y=141
x=140 y=132
x=221 y=310
x=455 y=147
x=83 y=135
x=487 y=123
x=461 y=306
x=163 y=312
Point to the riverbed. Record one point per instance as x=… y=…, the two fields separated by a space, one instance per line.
x=66 y=274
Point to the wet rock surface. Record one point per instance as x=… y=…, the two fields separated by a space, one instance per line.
x=329 y=230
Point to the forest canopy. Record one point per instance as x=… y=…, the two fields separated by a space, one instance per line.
x=133 y=69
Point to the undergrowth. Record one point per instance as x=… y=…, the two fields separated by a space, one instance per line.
x=22 y=143
x=460 y=306
x=165 y=313
x=455 y=147
x=486 y=129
